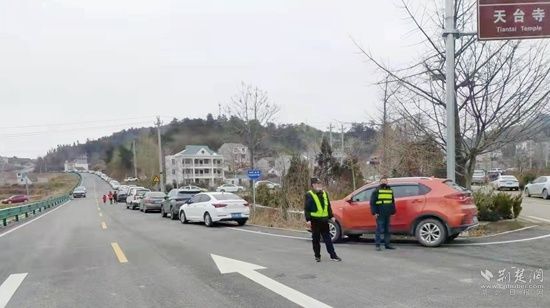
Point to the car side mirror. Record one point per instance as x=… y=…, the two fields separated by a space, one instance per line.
x=350 y=201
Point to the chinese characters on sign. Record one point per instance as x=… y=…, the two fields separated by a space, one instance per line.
x=514 y=281
x=513 y=19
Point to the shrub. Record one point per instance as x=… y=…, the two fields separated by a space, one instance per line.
x=494 y=207
x=524 y=179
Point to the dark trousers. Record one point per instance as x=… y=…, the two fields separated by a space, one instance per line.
x=383 y=226
x=319 y=228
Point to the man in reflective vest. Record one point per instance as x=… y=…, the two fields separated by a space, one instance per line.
x=382 y=206
x=318 y=213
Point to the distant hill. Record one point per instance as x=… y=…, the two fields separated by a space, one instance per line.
x=114 y=153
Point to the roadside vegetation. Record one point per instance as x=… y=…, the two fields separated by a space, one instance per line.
x=57 y=184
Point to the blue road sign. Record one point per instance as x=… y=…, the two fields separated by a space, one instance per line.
x=254 y=174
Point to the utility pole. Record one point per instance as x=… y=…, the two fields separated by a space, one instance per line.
x=449 y=34
x=161 y=183
x=385 y=128
x=330 y=135
x=135 y=158
x=342 y=156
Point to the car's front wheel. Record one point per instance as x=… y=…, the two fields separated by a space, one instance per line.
x=173 y=214
x=431 y=232
x=527 y=192
x=242 y=222
x=208 y=220
x=335 y=231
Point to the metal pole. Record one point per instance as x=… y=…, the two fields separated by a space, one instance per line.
x=450 y=31
x=253 y=194
x=342 y=154
x=135 y=158
x=161 y=183
x=27 y=184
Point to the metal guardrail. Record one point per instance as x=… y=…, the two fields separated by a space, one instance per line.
x=39 y=206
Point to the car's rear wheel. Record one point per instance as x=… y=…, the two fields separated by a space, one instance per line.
x=527 y=192
x=183 y=218
x=545 y=195
x=335 y=231
x=162 y=212
x=242 y=222
x=431 y=232
x=173 y=214
x=208 y=220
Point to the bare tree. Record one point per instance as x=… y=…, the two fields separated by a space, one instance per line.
x=502 y=88
x=254 y=110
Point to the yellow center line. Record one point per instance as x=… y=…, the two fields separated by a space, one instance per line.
x=103 y=225
x=100 y=214
x=119 y=254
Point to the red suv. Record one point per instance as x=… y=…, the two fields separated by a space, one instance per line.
x=16 y=199
x=433 y=210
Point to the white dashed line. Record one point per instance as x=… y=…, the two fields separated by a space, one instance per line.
x=8 y=288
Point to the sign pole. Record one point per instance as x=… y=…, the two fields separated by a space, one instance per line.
x=254 y=194
x=450 y=31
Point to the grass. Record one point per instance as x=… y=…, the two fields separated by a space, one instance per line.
x=497 y=227
x=58 y=184
x=271 y=217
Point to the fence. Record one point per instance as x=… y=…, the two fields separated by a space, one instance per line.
x=16 y=212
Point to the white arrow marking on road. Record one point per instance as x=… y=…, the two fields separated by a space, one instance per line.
x=227 y=265
x=8 y=288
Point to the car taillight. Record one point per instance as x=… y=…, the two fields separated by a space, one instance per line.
x=218 y=205
x=458 y=196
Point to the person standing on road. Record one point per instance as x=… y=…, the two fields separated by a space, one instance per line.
x=104 y=199
x=115 y=197
x=382 y=206
x=110 y=197
x=318 y=213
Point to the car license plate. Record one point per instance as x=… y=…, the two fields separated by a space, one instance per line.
x=236 y=215
x=510 y=183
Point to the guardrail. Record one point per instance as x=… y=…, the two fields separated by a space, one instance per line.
x=39 y=206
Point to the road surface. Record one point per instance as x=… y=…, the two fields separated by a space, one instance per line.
x=86 y=254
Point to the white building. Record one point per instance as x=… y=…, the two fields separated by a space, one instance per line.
x=197 y=164
x=78 y=164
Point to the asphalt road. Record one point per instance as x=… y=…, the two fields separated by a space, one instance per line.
x=70 y=260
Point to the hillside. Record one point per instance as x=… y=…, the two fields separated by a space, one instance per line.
x=115 y=152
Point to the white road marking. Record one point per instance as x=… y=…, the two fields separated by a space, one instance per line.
x=271 y=234
x=35 y=219
x=503 y=242
x=505 y=232
x=227 y=265
x=275 y=228
x=539 y=219
x=8 y=288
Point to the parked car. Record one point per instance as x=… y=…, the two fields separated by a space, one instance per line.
x=79 y=192
x=479 y=177
x=16 y=199
x=269 y=184
x=134 y=197
x=213 y=207
x=122 y=193
x=539 y=187
x=431 y=209
x=193 y=187
x=114 y=184
x=229 y=188
x=176 y=197
x=151 y=201
x=509 y=182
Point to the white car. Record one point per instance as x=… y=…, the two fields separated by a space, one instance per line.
x=539 y=187
x=134 y=197
x=115 y=184
x=229 y=188
x=213 y=207
x=269 y=184
x=193 y=187
x=509 y=182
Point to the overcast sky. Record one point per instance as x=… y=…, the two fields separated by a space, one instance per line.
x=77 y=69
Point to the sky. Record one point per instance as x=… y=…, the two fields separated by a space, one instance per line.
x=81 y=69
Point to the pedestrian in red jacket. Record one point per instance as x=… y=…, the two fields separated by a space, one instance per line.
x=104 y=199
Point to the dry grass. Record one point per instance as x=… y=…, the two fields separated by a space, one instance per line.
x=271 y=217
x=497 y=227
x=58 y=184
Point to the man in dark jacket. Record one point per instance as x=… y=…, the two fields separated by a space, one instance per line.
x=382 y=206
x=318 y=213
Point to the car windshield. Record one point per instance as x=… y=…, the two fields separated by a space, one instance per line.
x=226 y=196
x=141 y=192
x=186 y=194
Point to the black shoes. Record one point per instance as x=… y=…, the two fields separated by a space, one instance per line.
x=317 y=259
x=390 y=247
x=336 y=258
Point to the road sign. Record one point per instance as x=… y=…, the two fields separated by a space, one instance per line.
x=156 y=179
x=254 y=174
x=513 y=19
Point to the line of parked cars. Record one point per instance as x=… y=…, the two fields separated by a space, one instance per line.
x=188 y=203
x=540 y=187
